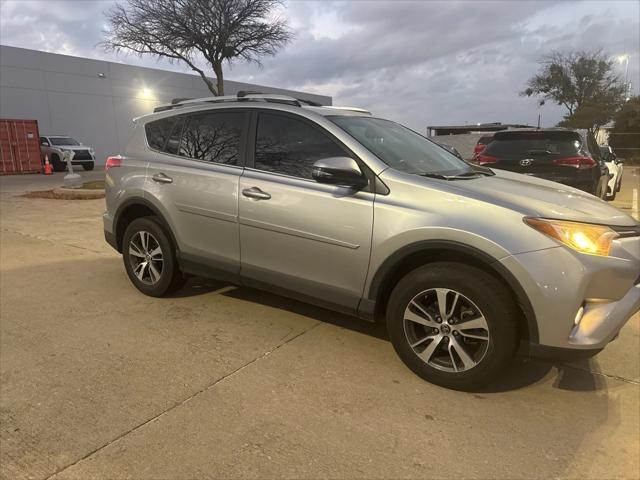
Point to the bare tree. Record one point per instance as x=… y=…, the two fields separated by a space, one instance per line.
x=181 y=30
x=585 y=83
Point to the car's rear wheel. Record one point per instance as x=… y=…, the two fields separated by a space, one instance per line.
x=149 y=258
x=453 y=325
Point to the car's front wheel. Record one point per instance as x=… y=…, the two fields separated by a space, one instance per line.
x=87 y=166
x=149 y=258
x=453 y=325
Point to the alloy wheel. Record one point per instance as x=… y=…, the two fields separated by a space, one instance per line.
x=145 y=255
x=446 y=330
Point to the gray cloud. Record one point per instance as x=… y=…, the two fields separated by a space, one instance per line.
x=417 y=62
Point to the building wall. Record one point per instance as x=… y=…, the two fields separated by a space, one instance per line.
x=67 y=96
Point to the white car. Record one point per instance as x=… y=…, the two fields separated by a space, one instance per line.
x=615 y=171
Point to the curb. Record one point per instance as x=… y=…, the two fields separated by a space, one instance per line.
x=77 y=193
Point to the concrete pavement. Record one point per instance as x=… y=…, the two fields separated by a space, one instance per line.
x=99 y=381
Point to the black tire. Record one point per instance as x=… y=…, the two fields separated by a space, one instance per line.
x=612 y=196
x=487 y=293
x=87 y=166
x=170 y=278
x=56 y=163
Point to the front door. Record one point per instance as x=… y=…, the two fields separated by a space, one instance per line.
x=298 y=236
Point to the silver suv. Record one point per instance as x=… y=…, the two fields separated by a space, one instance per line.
x=361 y=215
x=53 y=147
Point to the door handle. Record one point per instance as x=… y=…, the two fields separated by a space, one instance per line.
x=161 y=178
x=256 y=193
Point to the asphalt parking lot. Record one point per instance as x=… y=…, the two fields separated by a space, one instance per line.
x=99 y=381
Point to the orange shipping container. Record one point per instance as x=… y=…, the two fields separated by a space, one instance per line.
x=19 y=147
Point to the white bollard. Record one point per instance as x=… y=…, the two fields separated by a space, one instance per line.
x=71 y=180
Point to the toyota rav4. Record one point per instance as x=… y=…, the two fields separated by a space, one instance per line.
x=467 y=266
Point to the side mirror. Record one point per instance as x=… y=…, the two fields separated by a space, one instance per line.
x=44 y=143
x=342 y=171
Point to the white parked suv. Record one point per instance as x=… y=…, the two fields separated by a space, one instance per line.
x=615 y=171
x=55 y=146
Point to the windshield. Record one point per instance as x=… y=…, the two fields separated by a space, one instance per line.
x=401 y=148
x=63 y=141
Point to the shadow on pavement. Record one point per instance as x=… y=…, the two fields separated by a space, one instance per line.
x=524 y=371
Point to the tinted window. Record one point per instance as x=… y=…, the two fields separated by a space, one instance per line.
x=400 y=147
x=213 y=137
x=63 y=141
x=158 y=132
x=173 y=142
x=555 y=143
x=593 y=147
x=291 y=147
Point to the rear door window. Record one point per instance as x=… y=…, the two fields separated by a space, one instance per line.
x=213 y=137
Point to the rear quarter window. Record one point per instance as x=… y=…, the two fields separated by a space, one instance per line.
x=158 y=132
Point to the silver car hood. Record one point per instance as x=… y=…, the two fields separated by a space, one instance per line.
x=535 y=197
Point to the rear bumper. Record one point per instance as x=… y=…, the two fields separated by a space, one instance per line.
x=109 y=231
x=111 y=239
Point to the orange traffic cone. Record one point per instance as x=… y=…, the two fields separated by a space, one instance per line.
x=48 y=170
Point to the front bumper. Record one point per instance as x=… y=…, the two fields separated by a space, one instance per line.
x=559 y=281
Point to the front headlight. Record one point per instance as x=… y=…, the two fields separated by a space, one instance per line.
x=92 y=151
x=582 y=237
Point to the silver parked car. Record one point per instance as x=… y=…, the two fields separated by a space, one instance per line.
x=55 y=146
x=364 y=216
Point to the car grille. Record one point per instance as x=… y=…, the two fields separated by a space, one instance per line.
x=82 y=155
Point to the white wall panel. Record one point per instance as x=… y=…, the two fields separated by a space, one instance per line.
x=67 y=96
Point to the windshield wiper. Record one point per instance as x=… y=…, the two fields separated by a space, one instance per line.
x=462 y=176
x=433 y=175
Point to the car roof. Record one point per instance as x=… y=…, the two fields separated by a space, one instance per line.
x=249 y=100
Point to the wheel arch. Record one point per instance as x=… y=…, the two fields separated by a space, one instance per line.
x=421 y=253
x=137 y=207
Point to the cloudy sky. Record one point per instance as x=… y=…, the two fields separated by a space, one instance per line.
x=421 y=63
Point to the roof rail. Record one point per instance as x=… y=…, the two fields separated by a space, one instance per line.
x=241 y=96
x=350 y=109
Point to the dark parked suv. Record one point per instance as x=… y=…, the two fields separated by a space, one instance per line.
x=566 y=156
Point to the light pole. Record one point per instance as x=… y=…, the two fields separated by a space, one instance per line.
x=625 y=58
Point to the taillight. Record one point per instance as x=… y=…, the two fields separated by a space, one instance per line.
x=479 y=148
x=576 y=162
x=485 y=159
x=112 y=162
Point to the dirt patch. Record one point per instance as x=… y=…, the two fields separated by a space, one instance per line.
x=89 y=191
x=40 y=194
x=95 y=185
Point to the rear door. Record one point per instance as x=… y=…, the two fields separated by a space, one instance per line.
x=195 y=178
x=297 y=235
